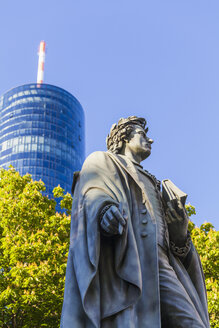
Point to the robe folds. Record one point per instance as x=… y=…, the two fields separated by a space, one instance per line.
x=104 y=275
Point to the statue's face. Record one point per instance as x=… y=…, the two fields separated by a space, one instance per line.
x=139 y=143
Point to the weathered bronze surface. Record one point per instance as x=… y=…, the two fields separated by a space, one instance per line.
x=131 y=261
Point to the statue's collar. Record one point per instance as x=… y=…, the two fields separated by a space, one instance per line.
x=132 y=168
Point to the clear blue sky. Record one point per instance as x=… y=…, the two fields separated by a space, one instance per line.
x=156 y=59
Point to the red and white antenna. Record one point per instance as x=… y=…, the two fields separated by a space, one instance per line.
x=41 y=62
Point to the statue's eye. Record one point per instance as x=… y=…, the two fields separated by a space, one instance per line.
x=142 y=134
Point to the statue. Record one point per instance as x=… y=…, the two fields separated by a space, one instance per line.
x=131 y=260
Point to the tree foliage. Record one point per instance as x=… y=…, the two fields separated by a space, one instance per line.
x=34 y=242
x=206 y=241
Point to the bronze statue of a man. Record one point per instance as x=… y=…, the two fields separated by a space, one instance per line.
x=131 y=261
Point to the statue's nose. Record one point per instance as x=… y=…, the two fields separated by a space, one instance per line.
x=150 y=140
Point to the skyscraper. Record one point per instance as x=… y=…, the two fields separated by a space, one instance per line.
x=42 y=133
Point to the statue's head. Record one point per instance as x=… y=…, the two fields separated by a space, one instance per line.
x=125 y=131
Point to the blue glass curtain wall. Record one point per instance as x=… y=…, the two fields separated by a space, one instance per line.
x=42 y=133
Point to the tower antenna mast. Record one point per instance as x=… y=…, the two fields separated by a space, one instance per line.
x=41 y=62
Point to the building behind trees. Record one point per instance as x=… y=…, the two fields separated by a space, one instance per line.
x=42 y=133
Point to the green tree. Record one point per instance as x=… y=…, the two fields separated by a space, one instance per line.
x=206 y=241
x=34 y=242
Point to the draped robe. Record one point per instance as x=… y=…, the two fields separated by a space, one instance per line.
x=104 y=275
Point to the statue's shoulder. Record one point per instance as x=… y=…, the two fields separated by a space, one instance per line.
x=99 y=162
x=96 y=158
x=97 y=165
x=97 y=155
x=91 y=164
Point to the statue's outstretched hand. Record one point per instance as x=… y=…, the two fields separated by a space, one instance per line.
x=113 y=221
x=177 y=221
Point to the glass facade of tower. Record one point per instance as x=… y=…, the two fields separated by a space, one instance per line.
x=42 y=133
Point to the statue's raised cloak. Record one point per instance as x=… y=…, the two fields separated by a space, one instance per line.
x=104 y=276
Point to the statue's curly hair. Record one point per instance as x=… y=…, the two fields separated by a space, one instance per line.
x=121 y=131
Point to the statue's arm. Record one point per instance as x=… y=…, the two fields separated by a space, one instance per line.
x=102 y=191
x=177 y=221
